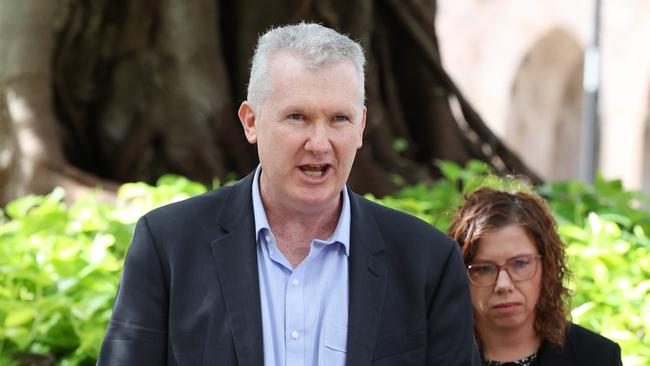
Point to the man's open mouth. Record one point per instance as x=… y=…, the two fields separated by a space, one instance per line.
x=314 y=170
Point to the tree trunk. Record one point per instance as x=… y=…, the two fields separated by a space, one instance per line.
x=31 y=155
x=108 y=91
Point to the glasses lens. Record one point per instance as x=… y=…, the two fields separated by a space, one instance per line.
x=482 y=274
x=519 y=269
x=522 y=268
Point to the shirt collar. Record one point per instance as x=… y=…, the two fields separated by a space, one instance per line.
x=341 y=233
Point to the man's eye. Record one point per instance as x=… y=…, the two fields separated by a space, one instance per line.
x=296 y=116
x=341 y=118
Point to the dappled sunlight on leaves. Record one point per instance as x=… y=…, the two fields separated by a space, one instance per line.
x=60 y=267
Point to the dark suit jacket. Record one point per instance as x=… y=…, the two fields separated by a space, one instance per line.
x=582 y=347
x=189 y=293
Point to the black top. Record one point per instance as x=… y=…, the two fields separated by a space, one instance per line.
x=582 y=347
x=526 y=361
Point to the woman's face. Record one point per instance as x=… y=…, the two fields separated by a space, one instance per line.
x=506 y=304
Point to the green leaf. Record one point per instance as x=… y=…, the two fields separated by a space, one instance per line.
x=450 y=170
x=19 y=317
x=19 y=208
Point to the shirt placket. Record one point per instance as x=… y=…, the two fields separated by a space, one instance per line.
x=295 y=319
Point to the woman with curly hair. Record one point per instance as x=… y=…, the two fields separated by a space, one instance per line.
x=516 y=268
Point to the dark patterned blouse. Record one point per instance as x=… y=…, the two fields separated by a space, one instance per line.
x=526 y=361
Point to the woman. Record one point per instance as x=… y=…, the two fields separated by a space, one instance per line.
x=516 y=268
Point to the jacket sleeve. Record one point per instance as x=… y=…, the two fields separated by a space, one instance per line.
x=450 y=326
x=617 y=356
x=137 y=333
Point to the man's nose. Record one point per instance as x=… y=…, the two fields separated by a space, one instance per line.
x=318 y=141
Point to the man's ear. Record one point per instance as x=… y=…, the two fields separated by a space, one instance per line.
x=248 y=121
x=363 y=126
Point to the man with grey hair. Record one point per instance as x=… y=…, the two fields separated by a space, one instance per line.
x=288 y=266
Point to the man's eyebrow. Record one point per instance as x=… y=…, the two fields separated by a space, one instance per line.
x=291 y=109
x=285 y=111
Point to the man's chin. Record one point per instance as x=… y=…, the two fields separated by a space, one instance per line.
x=315 y=199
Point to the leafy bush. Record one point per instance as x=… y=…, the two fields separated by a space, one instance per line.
x=60 y=266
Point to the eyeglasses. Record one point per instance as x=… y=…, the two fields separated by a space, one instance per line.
x=519 y=269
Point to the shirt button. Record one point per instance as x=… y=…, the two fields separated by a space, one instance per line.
x=295 y=334
x=295 y=282
x=268 y=239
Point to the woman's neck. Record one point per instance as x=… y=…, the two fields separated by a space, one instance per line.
x=509 y=344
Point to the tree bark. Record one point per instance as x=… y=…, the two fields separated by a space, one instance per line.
x=108 y=91
x=31 y=155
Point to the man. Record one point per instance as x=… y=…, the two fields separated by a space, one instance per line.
x=287 y=266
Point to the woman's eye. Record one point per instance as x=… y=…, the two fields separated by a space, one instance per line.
x=520 y=263
x=483 y=269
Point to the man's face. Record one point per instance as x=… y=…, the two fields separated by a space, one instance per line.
x=307 y=132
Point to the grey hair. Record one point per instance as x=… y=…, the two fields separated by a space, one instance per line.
x=313 y=43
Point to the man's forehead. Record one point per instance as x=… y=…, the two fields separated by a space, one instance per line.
x=288 y=72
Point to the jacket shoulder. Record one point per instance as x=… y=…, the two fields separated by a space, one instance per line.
x=590 y=348
x=587 y=339
x=405 y=227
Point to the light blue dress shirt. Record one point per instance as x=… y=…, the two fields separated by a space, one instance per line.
x=304 y=309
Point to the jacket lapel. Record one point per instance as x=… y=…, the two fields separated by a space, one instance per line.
x=236 y=263
x=367 y=278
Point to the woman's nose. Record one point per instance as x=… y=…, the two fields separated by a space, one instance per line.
x=504 y=282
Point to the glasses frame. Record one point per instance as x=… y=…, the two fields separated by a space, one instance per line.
x=504 y=266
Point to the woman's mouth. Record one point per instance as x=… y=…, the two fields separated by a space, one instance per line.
x=505 y=305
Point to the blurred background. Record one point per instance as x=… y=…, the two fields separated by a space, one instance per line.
x=522 y=64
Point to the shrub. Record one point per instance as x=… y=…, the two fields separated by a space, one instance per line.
x=60 y=267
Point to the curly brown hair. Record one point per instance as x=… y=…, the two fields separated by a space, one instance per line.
x=486 y=210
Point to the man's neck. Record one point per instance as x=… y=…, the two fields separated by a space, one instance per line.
x=294 y=230
x=509 y=344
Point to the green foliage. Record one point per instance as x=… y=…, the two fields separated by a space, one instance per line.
x=437 y=202
x=60 y=265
